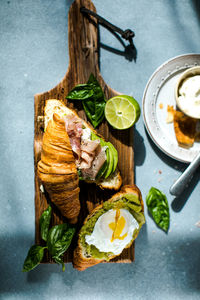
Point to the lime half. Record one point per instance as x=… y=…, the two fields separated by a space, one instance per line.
x=122 y=111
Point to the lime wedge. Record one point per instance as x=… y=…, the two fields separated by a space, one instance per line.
x=122 y=111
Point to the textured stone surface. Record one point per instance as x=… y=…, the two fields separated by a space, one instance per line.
x=33 y=59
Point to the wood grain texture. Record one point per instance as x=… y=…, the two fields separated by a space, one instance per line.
x=83 y=60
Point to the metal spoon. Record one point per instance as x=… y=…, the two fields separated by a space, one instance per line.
x=181 y=183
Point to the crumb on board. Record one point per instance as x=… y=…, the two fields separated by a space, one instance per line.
x=42 y=188
x=161 y=105
x=160 y=172
x=170 y=114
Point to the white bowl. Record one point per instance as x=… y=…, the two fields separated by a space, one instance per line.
x=188 y=73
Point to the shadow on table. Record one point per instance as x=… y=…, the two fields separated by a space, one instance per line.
x=178 y=267
x=178 y=202
x=139 y=148
x=196 y=5
x=129 y=52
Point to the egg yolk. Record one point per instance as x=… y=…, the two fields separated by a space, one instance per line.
x=118 y=226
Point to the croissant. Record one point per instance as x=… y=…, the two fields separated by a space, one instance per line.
x=57 y=170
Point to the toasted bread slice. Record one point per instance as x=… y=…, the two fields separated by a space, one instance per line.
x=81 y=259
x=52 y=106
x=185 y=129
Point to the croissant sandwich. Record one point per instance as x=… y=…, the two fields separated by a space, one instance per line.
x=96 y=160
x=110 y=228
x=73 y=151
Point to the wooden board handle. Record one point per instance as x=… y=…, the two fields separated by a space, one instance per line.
x=83 y=42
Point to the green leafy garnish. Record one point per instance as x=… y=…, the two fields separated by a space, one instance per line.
x=34 y=257
x=44 y=223
x=81 y=92
x=93 y=99
x=158 y=207
x=58 y=240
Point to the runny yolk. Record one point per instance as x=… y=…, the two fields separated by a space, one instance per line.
x=118 y=227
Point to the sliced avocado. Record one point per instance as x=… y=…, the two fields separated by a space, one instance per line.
x=112 y=157
x=115 y=157
x=102 y=170
x=105 y=166
x=110 y=161
x=94 y=136
x=115 y=153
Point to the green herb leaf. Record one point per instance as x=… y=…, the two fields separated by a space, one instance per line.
x=81 y=92
x=94 y=100
x=158 y=207
x=59 y=239
x=44 y=223
x=60 y=261
x=34 y=257
x=99 y=102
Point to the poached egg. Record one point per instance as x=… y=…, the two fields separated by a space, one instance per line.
x=113 y=231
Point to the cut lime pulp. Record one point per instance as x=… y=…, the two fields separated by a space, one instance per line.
x=122 y=111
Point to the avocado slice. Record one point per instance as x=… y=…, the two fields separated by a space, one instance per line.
x=112 y=158
x=105 y=166
x=110 y=161
x=103 y=170
x=115 y=156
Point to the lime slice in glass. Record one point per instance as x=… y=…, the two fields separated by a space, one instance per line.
x=122 y=111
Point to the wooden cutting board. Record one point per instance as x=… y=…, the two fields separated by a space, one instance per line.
x=83 y=60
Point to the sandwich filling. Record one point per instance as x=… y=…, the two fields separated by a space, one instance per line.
x=92 y=154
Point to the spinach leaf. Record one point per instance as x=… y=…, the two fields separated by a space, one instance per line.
x=44 y=223
x=58 y=241
x=158 y=207
x=34 y=257
x=94 y=100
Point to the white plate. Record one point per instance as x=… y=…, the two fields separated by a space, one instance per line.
x=160 y=89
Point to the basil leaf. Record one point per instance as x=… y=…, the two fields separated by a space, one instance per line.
x=59 y=260
x=59 y=239
x=34 y=257
x=158 y=207
x=97 y=109
x=44 y=223
x=93 y=99
x=81 y=92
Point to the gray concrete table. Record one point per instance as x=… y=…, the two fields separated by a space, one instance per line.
x=33 y=59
